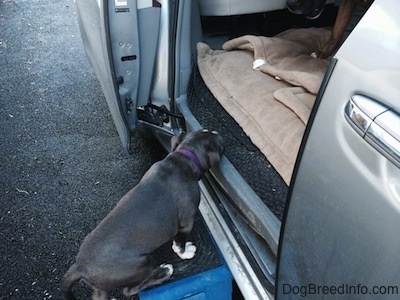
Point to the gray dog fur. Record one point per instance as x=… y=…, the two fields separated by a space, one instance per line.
x=162 y=207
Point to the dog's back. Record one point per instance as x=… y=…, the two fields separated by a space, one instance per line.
x=104 y=247
x=117 y=253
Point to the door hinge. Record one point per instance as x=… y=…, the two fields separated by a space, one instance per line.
x=129 y=105
x=156 y=114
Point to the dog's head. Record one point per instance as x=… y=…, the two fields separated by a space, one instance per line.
x=312 y=9
x=206 y=145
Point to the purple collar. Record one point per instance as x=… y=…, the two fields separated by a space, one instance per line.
x=192 y=157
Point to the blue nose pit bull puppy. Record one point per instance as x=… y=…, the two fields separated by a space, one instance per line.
x=161 y=208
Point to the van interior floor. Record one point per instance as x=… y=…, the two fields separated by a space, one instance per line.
x=239 y=149
x=247 y=159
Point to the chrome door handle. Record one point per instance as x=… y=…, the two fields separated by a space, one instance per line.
x=377 y=124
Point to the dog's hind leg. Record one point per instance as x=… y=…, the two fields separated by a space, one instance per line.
x=159 y=275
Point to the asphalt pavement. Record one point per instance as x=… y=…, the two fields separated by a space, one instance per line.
x=62 y=166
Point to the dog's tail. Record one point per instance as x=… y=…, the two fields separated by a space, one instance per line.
x=72 y=275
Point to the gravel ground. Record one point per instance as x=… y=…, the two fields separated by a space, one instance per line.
x=62 y=165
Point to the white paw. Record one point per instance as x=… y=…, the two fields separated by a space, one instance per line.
x=188 y=253
x=169 y=267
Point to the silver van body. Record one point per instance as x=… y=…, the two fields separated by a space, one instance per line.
x=335 y=232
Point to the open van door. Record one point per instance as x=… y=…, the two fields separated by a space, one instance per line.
x=120 y=38
x=340 y=233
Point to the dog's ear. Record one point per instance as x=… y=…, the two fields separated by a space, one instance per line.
x=213 y=158
x=176 y=140
x=214 y=150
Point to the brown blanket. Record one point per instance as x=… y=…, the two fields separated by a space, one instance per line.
x=272 y=106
